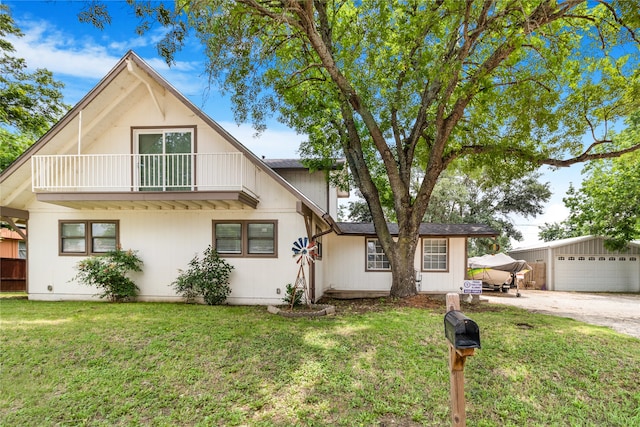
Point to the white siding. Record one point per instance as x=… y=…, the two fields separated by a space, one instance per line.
x=313 y=185
x=348 y=267
x=348 y=263
x=453 y=279
x=166 y=241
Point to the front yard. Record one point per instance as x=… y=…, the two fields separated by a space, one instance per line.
x=101 y=364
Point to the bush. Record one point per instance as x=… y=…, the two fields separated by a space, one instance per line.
x=289 y=295
x=208 y=278
x=109 y=273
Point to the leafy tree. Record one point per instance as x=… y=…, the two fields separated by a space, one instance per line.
x=30 y=102
x=404 y=84
x=556 y=231
x=608 y=203
x=459 y=198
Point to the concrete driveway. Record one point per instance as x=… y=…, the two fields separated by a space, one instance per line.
x=620 y=312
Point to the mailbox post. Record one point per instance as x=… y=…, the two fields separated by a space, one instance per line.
x=463 y=335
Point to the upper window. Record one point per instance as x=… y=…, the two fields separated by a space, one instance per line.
x=165 y=160
x=435 y=255
x=245 y=238
x=376 y=258
x=88 y=237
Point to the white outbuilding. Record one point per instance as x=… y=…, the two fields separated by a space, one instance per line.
x=584 y=264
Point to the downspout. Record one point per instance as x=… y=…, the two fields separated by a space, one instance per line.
x=332 y=227
x=312 y=273
x=153 y=96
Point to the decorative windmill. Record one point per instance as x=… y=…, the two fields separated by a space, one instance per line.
x=304 y=251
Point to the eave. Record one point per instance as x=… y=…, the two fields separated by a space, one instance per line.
x=152 y=200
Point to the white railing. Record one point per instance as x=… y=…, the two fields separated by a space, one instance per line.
x=143 y=172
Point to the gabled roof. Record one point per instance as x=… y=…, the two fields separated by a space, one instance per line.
x=426 y=229
x=132 y=63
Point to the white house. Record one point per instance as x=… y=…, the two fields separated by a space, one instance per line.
x=135 y=164
x=584 y=264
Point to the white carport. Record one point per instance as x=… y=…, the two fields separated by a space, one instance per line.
x=584 y=264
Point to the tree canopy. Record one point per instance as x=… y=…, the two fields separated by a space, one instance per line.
x=30 y=102
x=460 y=198
x=397 y=85
x=608 y=202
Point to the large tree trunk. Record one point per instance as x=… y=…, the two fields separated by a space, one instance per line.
x=402 y=265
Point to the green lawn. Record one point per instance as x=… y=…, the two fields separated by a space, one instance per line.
x=101 y=364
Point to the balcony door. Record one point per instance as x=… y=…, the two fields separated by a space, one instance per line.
x=165 y=159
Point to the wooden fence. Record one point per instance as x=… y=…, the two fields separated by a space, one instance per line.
x=537 y=277
x=13 y=275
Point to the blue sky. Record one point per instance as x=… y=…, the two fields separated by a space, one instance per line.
x=79 y=55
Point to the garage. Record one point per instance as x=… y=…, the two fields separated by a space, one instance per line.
x=593 y=272
x=584 y=264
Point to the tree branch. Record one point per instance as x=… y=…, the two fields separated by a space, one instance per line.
x=586 y=156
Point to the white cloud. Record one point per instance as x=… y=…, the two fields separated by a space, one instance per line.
x=45 y=45
x=81 y=61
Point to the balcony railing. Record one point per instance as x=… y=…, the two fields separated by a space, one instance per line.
x=143 y=172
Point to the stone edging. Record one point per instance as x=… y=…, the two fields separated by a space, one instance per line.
x=315 y=311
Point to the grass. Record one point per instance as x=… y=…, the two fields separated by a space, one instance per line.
x=101 y=364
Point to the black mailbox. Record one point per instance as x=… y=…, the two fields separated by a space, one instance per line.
x=461 y=331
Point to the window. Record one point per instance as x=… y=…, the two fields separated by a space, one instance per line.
x=376 y=258
x=88 y=237
x=435 y=255
x=245 y=238
x=165 y=159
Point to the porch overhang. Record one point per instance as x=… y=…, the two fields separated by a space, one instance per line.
x=152 y=200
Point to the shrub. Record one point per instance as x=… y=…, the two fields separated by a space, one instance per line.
x=109 y=273
x=207 y=277
x=292 y=294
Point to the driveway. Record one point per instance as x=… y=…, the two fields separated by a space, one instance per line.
x=620 y=312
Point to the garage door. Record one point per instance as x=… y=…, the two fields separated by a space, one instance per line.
x=599 y=273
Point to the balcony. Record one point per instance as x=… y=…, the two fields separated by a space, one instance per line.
x=160 y=181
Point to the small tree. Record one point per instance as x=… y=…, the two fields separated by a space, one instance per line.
x=109 y=273
x=207 y=277
x=292 y=296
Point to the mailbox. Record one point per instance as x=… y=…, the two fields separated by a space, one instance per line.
x=461 y=331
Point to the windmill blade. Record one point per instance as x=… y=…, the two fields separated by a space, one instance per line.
x=299 y=245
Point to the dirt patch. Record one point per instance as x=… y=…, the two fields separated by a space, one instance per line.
x=420 y=301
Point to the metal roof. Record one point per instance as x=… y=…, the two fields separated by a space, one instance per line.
x=563 y=242
x=426 y=229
